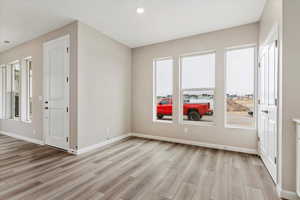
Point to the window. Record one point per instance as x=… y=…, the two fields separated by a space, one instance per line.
x=28 y=90
x=240 y=73
x=16 y=90
x=2 y=90
x=197 y=88
x=163 y=89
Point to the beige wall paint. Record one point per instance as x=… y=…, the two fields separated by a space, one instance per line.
x=290 y=90
x=104 y=87
x=34 y=48
x=142 y=86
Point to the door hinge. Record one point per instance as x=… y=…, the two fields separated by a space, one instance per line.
x=259 y=65
x=67 y=49
x=258 y=101
x=258 y=138
x=275 y=160
x=67 y=79
x=67 y=139
x=276 y=43
x=67 y=109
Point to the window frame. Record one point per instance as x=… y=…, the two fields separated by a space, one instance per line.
x=154 y=100
x=26 y=115
x=3 y=80
x=181 y=91
x=247 y=46
x=12 y=113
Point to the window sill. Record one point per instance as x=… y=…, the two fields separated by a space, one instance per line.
x=163 y=121
x=192 y=123
x=240 y=127
x=18 y=120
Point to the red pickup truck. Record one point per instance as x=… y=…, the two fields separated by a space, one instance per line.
x=194 y=111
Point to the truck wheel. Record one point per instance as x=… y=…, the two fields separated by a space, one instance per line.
x=194 y=116
x=160 y=116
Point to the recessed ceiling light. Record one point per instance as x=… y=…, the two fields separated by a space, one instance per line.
x=6 y=42
x=140 y=10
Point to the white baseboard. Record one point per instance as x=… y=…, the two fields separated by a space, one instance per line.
x=101 y=144
x=285 y=194
x=200 y=144
x=20 y=137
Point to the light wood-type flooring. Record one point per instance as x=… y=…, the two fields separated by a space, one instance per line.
x=129 y=170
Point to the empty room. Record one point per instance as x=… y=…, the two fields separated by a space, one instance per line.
x=149 y=100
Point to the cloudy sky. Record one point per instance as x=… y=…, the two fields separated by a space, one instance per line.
x=199 y=72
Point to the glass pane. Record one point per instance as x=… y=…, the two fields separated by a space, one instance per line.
x=8 y=93
x=198 y=85
x=198 y=105
x=29 y=88
x=2 y=91
x=164 y=89
x=16 y=91
x=240 y=65
x=198 y=71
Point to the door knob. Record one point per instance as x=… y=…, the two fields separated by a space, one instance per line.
x=46 y=102
x=265 y=111
x=46 y=108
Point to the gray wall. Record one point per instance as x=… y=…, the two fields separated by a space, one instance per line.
x=290 y=90
x=34 y=48
x=142 y=86
x=104 y=87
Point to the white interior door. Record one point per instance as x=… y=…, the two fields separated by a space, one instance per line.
x=56 y=92
x=267 y=107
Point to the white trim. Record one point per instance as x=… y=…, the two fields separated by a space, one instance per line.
x=195 y=143
x=297 y=121
x=255 y=86
x=181 y=90
x=99 y=145
x=199 y=53
x=14 y=62
x=245 y=46
x=285 y=194
x=162 y=121
x=198 y=123
x=272 y=36
x=154 y=85
x=20 y=137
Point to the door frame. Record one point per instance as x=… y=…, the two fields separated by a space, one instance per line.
x=67 y=87
x=273 y=36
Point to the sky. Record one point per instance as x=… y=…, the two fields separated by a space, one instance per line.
x=240 y=71
x=164 y=77
x=199 y=72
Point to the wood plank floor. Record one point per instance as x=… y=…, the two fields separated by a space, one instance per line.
x=132 y=169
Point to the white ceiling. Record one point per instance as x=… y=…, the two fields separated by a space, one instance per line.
x=22 y=20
